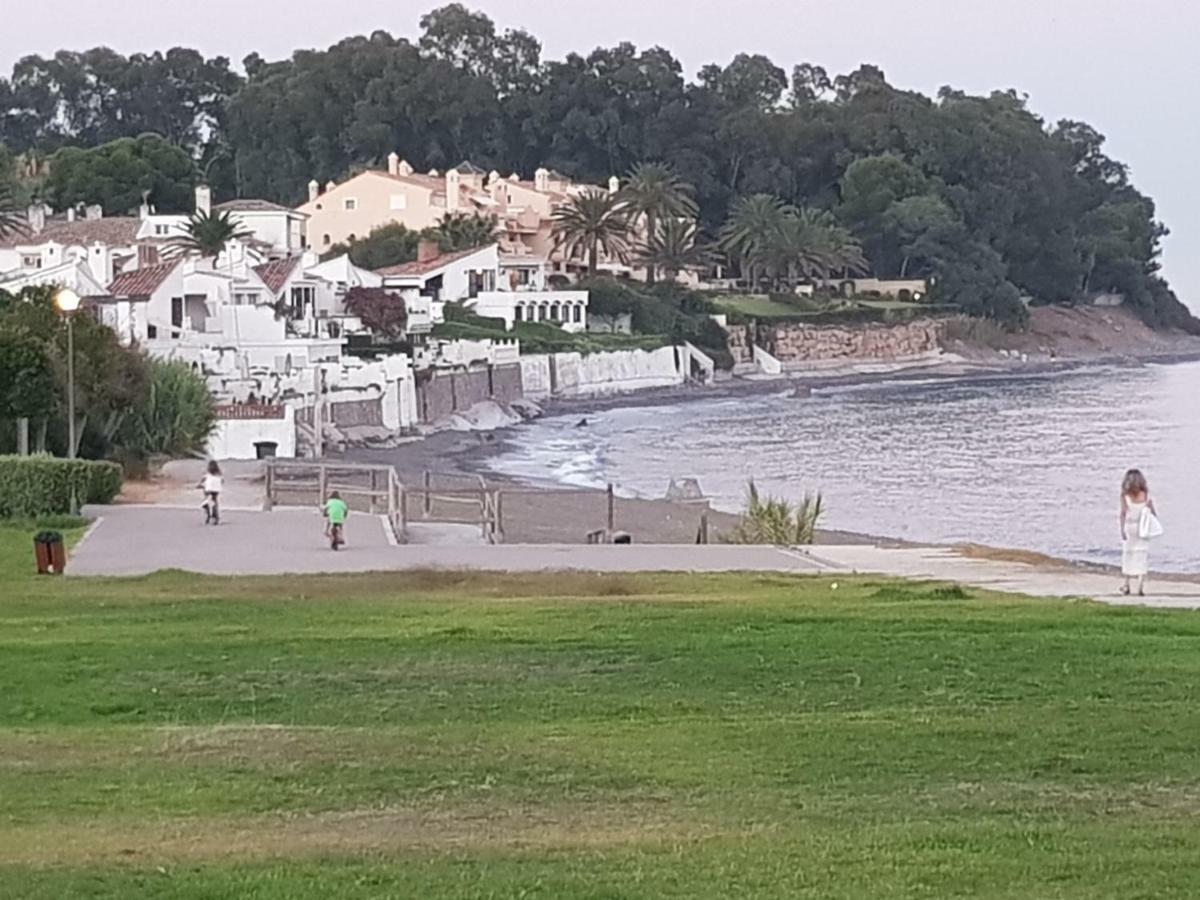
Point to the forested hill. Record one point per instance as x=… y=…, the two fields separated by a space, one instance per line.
x=977 y=191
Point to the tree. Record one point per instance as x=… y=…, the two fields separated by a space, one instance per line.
x=674 y=247
x=387 y=245
x=11 y=220
x=593 y=221
x=173 y=416
x=381 y=310
x=27 y=385
x=463 y=231
x=207 y=234
x=747 y=235
x=655 y=193
x=119 y=174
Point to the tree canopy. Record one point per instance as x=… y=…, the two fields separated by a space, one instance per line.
x=976 y=191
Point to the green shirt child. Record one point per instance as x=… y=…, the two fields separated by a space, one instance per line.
x=336 y=510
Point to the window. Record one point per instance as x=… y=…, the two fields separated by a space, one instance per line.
x=176 y=312
x=325 y=240
x=518 y=313
x=350 y=204
x=151 y=332
x=399 y=201
x=578 y=313
x=161 y=230
x=31 y=262
x=303 y=299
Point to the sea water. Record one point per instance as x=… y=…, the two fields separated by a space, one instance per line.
x=1031 y=462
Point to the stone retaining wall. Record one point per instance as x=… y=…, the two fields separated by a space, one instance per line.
x=793 y=343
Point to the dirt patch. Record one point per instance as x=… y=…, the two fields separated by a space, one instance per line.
x=352 y=833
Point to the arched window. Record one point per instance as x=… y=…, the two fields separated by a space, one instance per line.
x=578 y=313
x=554 y=312
x=518 y=313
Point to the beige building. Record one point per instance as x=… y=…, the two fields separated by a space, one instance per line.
x=523 y=209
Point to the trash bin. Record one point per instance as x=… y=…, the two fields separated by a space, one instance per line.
x=49 y=552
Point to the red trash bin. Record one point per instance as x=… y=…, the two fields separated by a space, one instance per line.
x=50 y=553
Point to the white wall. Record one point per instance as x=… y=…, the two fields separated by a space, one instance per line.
x=503 y=305
x=235 y=438
x=612 y=372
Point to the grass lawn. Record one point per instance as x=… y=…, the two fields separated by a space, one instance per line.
x=571 y=736
x=759 y=306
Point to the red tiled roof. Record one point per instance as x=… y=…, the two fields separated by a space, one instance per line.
x=115 y=231
x=276 y=273
x=249 y=204
x=430 y=265
x=141 y=283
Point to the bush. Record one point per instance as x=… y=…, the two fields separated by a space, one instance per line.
x=771 y=520
x=32 y=486
x=174 y=417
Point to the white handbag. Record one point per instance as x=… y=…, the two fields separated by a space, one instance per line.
x=1148 y=525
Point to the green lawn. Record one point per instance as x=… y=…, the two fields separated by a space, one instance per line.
x=758 y=306
x=571 y=736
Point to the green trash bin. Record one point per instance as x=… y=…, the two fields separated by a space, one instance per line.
x=50 y=552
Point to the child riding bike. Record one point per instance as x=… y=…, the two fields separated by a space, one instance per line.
x=335 y=513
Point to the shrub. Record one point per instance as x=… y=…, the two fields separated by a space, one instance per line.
x=32 y=486
x=174 y=417
x=771 y=520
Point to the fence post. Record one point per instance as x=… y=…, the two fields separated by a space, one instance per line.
x=703 y=536
x=269 y=502
x=427 y=503
x=500 y=516
x=374 y=488
x=612 y=510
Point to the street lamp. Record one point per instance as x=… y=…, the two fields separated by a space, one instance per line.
x=68 y=302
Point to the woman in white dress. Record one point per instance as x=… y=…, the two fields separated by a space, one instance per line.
x=1135 y=550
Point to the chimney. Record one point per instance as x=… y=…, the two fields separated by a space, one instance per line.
x=93 y=212
x=203 y=200
x=453 y=181
x=329 y=186
x=71 y=214
x=37 y=218
x=404 y=168
x=493 y=178
x=433 y=173
x=314 y=190
x=393 y=164
x=144 y=209
x=614 y=184
x=427 y=250
x=541 y=180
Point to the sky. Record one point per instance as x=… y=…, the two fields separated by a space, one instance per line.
x=1128 y=67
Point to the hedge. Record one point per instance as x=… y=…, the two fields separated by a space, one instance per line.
x=41 y=485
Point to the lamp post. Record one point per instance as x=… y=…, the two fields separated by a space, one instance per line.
x=68 y=302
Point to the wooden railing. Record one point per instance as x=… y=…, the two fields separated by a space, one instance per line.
x=460 y=499
x=373 y=489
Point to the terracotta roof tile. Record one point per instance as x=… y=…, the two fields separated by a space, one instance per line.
x=115 y=231
x=276 y=273
x=429 y=265
x=250 y=204
x=141 y=283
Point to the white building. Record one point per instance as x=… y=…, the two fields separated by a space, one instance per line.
x=567 y=309
x=279 y=228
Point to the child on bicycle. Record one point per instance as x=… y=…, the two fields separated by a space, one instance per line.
x=335 y=512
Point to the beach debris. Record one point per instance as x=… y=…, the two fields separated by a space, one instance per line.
x=582 y=423
x=802 y=391
x=685 y=490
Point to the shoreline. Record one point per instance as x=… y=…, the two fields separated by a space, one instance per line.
x=467 y=454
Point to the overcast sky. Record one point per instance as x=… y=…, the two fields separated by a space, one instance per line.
x=1129 y=67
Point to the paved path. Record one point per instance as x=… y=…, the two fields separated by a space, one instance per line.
x=132 y=540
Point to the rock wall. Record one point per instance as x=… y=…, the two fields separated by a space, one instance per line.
x=793 y=343
x=443 y=392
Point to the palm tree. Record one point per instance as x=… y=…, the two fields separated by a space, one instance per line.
x=594 y=220
x=796 y=247
x=654 y=191
x=673 y=247
x=207 y=234
x=11 y=221
x=464 y=231
x=749 y=231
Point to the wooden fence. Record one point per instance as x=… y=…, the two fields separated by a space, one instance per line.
x=373 y=489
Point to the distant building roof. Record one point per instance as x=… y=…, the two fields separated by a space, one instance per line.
x=418 y=267
x=466 y=167
x=115 y=231
x=141 y=283
x=276 y=273
x=250 y=204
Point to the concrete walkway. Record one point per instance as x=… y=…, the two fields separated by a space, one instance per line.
x=133 y=540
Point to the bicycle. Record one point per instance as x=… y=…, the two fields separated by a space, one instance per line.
x=335 y=537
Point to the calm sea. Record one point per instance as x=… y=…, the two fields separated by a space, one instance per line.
x=1030 y=462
